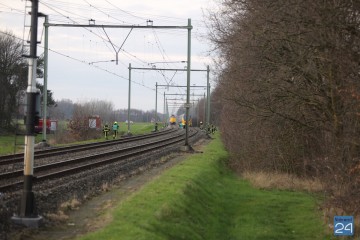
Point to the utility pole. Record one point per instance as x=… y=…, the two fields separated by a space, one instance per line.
x=167 y=109
x=187 y=146
x=128 y=118
x=27 y=214
x=205 y=122
x=208 y=96
x=156 y=103
x=198 y=112
x=44 y=127
x=164 y=112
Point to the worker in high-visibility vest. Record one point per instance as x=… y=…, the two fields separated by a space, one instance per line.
x=106 y=130
x=115 y=128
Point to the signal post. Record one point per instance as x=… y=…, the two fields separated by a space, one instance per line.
x=27 y=214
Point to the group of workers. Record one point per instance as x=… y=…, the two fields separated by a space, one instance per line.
x=210 y=128
x=115 y=129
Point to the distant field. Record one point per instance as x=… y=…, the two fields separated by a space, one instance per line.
x=9 y=144
x=138 y=128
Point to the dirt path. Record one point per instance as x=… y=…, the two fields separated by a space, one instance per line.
x=95 y=213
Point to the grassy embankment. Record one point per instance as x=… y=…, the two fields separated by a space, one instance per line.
x=138 y=128
x=201 y=199
x=7 y=143
x=8 y=146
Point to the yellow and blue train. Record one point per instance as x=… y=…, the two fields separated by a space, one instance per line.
x=172 y=120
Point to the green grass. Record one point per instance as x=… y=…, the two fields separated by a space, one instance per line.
x=8 y=146
x=138 y=128
x=201 y=199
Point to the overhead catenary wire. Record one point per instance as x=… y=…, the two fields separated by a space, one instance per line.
x=136 y=57
x=84 y=62
x=106 y=14
x=127 y=12
x=46 y=3
x=98 y=35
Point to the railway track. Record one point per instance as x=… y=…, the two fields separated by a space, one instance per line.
x=12 y=181
x=19 y=158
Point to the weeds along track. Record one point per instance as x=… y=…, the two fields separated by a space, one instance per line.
x=60 y=163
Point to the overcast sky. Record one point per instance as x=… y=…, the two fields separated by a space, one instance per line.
x=81 y=66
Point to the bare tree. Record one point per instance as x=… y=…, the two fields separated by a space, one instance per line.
x=62 y=110
x=12 y=76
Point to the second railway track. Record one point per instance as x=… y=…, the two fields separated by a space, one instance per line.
x=12 y=180
x=19 y=157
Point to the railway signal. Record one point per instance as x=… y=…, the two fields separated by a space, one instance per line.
x=27 y=214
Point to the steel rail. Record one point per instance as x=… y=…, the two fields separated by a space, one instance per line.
x=76 y=160
x=18 y=158
x=125 y=153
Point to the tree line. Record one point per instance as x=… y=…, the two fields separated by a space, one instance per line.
x=66 y=109
x=14 y=79
x=288 y=89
